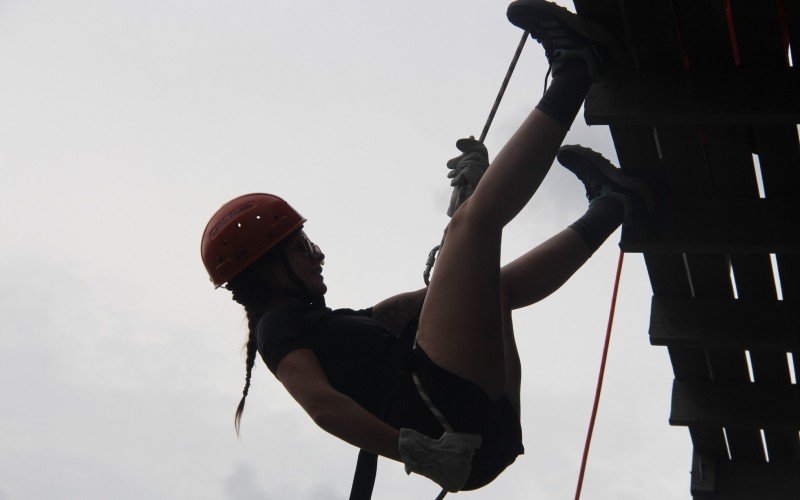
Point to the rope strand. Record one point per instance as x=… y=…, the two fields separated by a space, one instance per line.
x=599 y=378
x=432 y=255
x=503 y=86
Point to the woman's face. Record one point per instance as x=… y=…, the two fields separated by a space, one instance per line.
x=306 y=260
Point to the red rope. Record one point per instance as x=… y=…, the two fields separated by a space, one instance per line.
x=599 y=378
x=732 y=33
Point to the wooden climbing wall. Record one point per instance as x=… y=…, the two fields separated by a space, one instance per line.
x=708 y=103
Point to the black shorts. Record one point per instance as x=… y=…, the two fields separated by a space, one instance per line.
x=467 y=408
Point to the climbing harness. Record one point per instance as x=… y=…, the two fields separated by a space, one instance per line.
x=599 y=378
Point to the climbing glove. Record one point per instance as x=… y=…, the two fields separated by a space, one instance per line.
x=447 y=461
x=466 y=170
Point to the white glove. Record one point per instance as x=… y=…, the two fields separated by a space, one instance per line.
x=447 y=461
x=466 y=171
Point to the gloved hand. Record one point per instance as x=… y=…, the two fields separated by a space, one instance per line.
x=446 y=461
x=466 y=171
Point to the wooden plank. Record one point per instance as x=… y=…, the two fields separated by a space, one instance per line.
x=792 y=19
x=731 y=168
x=779 y=160
x=748 y=481
x=724 y=323
x=757 y=44
x=730 y=161
x=647 y=29
x=736 y=405
x=704 y=470
x=683 y=155
x=704 y=32
x=732 y=225
x=758 y=33
x=690 y=364
x=711 y=96
x=638 y=156
x=754 y=280
x=668 y=275
x=653 y=33
x=707 y=44
x=779 y=157
x=709 y=275
x=606 y=13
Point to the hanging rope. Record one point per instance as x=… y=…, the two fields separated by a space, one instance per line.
x=599 y=379
x=503 y=86
x=432 y=255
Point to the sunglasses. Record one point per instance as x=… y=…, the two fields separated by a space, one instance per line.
x=304 y=245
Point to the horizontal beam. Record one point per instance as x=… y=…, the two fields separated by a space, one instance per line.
x=719 y=225
x=765 y=325
x=726 y=480
x=736 y=405
x=710 y=96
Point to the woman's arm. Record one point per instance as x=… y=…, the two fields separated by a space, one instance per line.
x=395 y=312
x=301 y=374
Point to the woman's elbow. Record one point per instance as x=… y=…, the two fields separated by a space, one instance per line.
x=326 y=418
x=323 y=411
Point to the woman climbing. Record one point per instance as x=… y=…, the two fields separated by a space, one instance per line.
x=449 y=408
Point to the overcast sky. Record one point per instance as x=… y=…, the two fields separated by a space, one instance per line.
x=125 y=125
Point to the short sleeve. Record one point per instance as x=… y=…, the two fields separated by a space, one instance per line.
x=279 y=333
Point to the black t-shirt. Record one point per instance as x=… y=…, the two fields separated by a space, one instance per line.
x=364 y=361
x=358 y=354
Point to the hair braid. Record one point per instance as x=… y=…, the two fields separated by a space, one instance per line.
x=247 y=295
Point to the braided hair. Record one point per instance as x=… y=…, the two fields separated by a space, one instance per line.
x=253 y=298
x=249 y=290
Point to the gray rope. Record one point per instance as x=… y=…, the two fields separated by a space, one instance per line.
x=426 y=275
x=503 y=86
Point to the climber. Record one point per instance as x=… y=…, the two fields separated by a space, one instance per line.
x=356 y=372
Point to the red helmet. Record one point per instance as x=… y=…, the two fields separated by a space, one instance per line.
x=243 y=230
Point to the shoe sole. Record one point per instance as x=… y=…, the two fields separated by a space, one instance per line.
x=528 y=15
x=571 y=153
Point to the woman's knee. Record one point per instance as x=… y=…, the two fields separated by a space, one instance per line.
x=467 y=218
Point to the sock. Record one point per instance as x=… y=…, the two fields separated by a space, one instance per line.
x=566 y=92
x=601 y=219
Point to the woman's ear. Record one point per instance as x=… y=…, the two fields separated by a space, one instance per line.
x=271 y=270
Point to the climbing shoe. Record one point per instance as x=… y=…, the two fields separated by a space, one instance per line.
x=602 y=179
x=566 y=36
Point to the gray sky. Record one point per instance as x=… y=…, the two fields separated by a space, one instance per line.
x=127 y=124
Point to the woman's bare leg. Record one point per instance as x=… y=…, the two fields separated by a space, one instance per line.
x=461 y=321
x=528 y=279
x=461 y=324
x=513 y=366
x=542 y=270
